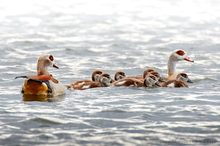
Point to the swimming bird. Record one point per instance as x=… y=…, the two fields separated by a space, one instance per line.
x=119 y=75
x=104 y=80
x=137 y=81
x=149 y=81
x=79 y=84
x=151 y=71
x=96 y=74
x=43 y=83
x=176 y=56
x=181 y=81
x=129 y=82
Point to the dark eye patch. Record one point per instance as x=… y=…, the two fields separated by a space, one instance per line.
x=155 y=74
x=184 y=75
x=180 y=52
x=122 y=73
x=153 y=77
x=51 y=58
x=98 y=72
x=150 y=70
x=106 y=75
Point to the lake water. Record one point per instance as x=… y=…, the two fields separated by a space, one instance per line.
x=111 y=35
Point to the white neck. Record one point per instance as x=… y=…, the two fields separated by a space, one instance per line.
x=171 y=66
x=42 y=68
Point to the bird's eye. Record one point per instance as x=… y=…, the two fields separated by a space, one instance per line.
x=51 y=58
x=180 y=52
x=184 y=75
x=106 y=75
x=153 y=77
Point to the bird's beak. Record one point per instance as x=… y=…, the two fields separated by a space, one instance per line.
x=189 y=81
x=157 y=84
x=111 y=81
x=188 y=59
x=55 y=66
x=161 y=79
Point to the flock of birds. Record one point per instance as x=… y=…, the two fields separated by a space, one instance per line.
x=45 y=84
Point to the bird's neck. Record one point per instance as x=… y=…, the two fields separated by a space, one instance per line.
x=42 y=68
x=171 y=66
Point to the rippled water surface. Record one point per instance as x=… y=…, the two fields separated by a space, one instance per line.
x=111 y=35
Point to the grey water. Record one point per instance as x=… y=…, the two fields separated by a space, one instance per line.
x=127 y=35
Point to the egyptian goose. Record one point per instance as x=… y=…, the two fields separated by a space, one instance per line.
x=129 y=82
x=119 y=75
x=173 y=59
x=137 y=81
x=79 y=84
x=149 y=81
x=181 y=81
x=103 y=80
x=43 y=83
x=96 y=74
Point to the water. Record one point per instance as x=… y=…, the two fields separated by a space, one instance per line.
x=111 y=35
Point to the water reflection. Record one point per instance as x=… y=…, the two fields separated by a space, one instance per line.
x=113 y=35
x=42 y=98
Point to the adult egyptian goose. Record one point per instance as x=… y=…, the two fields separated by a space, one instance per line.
x=43 y=83
x=176 y=56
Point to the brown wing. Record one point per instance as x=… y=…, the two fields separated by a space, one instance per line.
x=129 y=82
x=179 y=84
x=35 y=87
x=85 y=84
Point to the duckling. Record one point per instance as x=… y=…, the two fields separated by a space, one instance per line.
x=95 y=78
x=151 y=81
x=119 y=75
x=129 y=82
x=180 y=81
x=104 y=80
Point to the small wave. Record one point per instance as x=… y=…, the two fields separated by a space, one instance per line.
x=206 y=141
x=113 y=111
x=196 y=80
x=45 y=120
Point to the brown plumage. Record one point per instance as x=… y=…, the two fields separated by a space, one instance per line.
x=43 y=83
x=180 y=81
x=103 y=81
x=96 y=74
x=119 y=75
x=151 y=81
x=129 y=82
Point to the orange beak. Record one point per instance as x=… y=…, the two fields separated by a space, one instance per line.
x=188 y=59
x=55 y=66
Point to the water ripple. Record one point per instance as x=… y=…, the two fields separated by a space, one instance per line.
x=110 y=35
